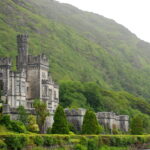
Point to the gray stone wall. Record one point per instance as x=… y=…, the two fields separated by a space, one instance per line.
x=108 y=120
x=75 y=117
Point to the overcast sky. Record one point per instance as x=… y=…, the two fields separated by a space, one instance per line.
x=133 y=14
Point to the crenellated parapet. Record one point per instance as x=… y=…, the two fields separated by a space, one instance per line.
x=124 y=118
x=106 y=115
x=75 y=117
x=5 y=62
x=75 y=112
x=108 y=120
x=38 y=60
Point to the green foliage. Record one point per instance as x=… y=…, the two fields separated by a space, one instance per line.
x=93 y=95
x=49 y=141
x=49 y=130
x=79 y=147
x=3 y=146
x=38 y=140
x=119 y=102
x=12 y=125
x=5 y=120
x=16 y=142
x=22 y=114
x=60 y=125
x=80 y=45
x=31 y=124
x=90 y=124
x=137 y=125
x=92 y=144
x=41 y=113
x=18 y=126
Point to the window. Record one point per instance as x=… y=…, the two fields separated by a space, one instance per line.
x=55 y=94
x=1 y=75
x=17 y=103
x=1 y=85
x=49 y=105
x=17 y=86
x=43 y=75
x=50 y=94
x=23 y=87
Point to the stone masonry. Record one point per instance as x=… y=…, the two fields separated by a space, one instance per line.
x=108 y=120
x=30 y=81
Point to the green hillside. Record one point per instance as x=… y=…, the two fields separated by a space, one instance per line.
x=80 y=45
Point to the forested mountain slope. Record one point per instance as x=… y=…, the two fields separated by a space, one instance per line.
x=80 y=45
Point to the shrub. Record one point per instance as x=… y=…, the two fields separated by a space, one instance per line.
x=72 y=128
x=16 y=142
x=92 y=144
x=48 y=141
x=79 y=147
x=32 y=125
x=83 y=141
x=5 y=120
x=60 y=125
x=48 y=130
x=38 y=140
x=137 y=125
x=90 y=124
x=18 y=126
x=2 y=145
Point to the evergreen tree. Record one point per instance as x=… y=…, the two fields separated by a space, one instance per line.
x=137 y=125
x=60 y=125
x=90 y=124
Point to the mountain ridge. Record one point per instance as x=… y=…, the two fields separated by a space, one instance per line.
x=80 y=45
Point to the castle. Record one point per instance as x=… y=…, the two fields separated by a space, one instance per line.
x=32 y=81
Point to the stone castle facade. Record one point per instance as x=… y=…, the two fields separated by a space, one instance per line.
x=30 y=81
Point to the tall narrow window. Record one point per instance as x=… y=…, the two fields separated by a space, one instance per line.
x=17 y=86
x=17 y=103
x=23 y=87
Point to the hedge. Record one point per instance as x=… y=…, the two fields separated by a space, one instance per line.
x=19 y=141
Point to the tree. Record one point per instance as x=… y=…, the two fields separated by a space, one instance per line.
x=22 y=114
x=32 y=125
x=137 y=125
x=41 y=113
x=60 y=125
x=90 y=124
x=93 y=95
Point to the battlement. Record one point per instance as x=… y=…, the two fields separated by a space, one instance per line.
x=5 y=61
x=38 y=60
x=22 y=38
x=106 y=115
x=124 y=118
x=75 y=112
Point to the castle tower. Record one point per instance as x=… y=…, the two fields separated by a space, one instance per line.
x=22 y=58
